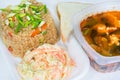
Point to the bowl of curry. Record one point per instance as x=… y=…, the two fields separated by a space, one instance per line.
x=97 y=28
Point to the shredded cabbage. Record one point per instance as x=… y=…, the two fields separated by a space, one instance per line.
x=47 y=62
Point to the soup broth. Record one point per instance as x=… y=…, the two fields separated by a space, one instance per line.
x=102 y=32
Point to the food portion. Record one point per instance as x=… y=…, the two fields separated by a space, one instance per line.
x=66 y=10
x=102 y=32
x=47 y=62
x=26 y=26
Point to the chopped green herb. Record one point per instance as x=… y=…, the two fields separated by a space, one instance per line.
x=37 y=16
x=27 y=23
x=35 y=24
x=20 y=20
x=22 y=15
x=27 y=8
x=31 y=17
x=45 y=9
x=10 y=19
x=41 y=8
x=19 y=26
x=12 y=24
x=25 y=14
x=33 y=7
x=4 y=9
x=35 y=10
x=44 y=32
x=16 y=8
x=22 y=5
x=15 y=11
x=18 y=17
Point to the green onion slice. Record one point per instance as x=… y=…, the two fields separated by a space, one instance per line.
x=12 y=24
x=27 y=23
x=44 y=32
x=20 y=20
x=36 y=24
x=4 y=9
x=45 y=9
x=26 y=14
x=22 y=15
x=19 y=26
x=22 y=5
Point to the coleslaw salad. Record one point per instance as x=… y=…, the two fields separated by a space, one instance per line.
x=47 y=62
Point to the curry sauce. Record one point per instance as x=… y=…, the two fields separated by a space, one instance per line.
x=102 y=32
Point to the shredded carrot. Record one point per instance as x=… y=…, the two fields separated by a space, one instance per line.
x=35 y=32
x=61 y=58
x=46 y=62
x=10 y=48
x=44 y=27
x=72 y=63
x=10 y=34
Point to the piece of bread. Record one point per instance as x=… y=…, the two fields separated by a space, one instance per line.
x=65 y=12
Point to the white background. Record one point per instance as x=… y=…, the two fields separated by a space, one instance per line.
x=6 y=73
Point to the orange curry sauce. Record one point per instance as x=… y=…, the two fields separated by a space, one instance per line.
x=102 y=32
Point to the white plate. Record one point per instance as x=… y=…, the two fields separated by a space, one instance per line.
x=79 y=56
x=74 y=50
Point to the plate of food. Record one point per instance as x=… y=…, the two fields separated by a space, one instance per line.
x=31 y=44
